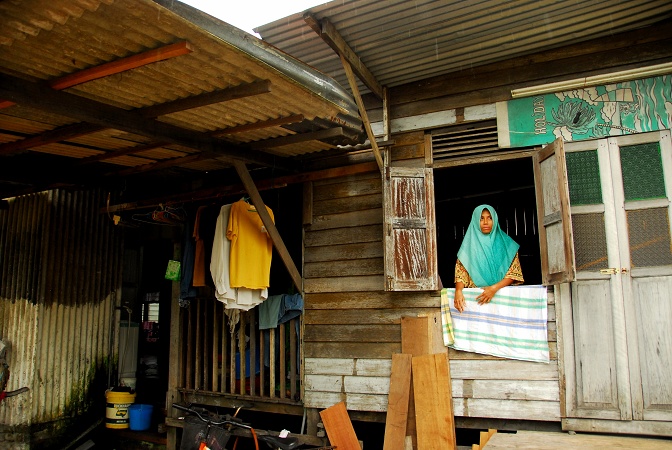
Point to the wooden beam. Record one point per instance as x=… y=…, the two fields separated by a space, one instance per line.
x=158 y=165
x=300 y=137
x=122 y=65
x=236 y=189
x=387 y=126
x=121 y=152
x=362 y=111
x=208 y=98
x=333 y=38
x=118 y=66
x=43 y=98
x=296 y=118
x=279 y=244
x=80 y=129
x=55 y=135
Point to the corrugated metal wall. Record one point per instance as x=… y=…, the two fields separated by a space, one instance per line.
x=60 y=268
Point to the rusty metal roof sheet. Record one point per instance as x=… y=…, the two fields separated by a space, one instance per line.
x=44 y=42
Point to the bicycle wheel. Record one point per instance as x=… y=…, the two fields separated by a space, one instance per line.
x=196 y=432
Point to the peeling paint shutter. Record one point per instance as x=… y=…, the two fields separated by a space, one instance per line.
x=555 y=227
x=410 y=238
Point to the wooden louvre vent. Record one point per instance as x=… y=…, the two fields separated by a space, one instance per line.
x=464 y=141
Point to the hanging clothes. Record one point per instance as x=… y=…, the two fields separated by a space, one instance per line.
x=187 y=290
x=199 y=252
x=233 y=298
x=251 y=247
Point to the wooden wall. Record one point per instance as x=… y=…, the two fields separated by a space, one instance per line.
x=352 y=327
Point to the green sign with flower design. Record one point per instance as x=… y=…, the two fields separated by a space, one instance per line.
x=595 y=112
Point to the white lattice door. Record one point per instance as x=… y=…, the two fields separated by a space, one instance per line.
x=621 y=302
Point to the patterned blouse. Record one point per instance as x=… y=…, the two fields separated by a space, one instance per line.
x=514 y=273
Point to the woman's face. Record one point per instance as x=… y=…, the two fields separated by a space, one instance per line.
x=486 y=222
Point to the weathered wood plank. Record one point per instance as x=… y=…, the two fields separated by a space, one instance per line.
x=370 y=233
x=351 y=349
x=348 y=366
x=561 y=441
x=355 y=402
x=330 y=366
x=357 y=316
x=343 y=252
x=367 y=385
x=343 y=284
x=397 y=404
x=352 y=333
x=324 y=383
x=547 y=390
x=433 y=407
x=371 y=266
x=371 y=300
x=371 y=215
x=458 y=354
x=363 y=185
x=350 y=204
x=347 y=177
x=503 y=370
x=507 y=409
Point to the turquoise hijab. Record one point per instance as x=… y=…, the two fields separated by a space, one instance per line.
x=487 y=257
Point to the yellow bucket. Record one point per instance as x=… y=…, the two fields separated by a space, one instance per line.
x=116 y=411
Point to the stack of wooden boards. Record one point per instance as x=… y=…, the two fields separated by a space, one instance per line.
x=420 y=402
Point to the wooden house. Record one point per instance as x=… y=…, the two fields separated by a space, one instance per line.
x=378 y=223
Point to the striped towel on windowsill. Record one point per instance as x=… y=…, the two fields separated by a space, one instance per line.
x=513 y=325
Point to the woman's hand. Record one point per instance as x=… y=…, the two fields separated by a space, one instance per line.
x=487 y=294
x=490 y=291
x=459 y=302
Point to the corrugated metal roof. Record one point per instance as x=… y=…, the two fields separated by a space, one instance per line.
x=42 y=41
x=403 y=41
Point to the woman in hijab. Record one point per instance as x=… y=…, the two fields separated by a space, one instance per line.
x=488 y=258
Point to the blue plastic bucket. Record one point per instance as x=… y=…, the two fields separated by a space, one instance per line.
x=140 y=416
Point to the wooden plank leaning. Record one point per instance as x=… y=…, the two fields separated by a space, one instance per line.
x=397 y=402
x=339 y=429
x=435 y=422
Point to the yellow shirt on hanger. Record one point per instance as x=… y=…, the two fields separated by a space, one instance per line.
x=251 y=247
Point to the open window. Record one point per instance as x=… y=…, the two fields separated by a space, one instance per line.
x=427 y=212
x=506 y=185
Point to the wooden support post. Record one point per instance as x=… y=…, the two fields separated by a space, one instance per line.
x=312 y=418
x=174 y=354
x=362 y=111
x=251 y=189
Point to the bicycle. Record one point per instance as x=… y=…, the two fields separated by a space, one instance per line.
x=204 y=430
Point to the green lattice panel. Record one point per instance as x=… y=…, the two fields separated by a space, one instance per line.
x=583 y=173
x=642 y=172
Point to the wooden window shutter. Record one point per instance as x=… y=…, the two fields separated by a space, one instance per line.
x=555 y=226
x=410 y=237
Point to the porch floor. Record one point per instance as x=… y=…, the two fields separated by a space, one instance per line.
x=551 y=441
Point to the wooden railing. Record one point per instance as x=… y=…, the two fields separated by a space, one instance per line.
x=212 y=342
